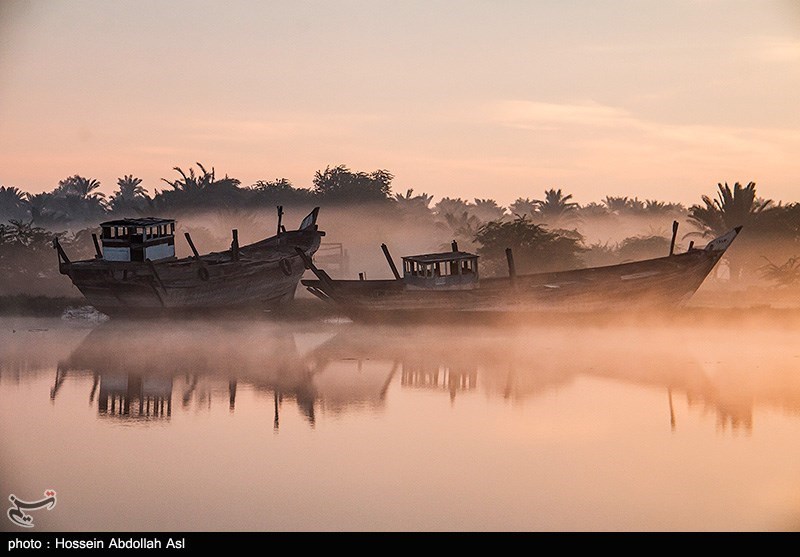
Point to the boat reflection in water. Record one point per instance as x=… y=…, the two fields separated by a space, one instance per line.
x=702 y=365
x=119 y=392
x=143 y=370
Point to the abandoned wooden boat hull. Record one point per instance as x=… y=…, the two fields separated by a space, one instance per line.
x=258 y=276
x=662 y=282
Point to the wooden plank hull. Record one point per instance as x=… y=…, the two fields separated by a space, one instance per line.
x=662 y=282
x=262 y=276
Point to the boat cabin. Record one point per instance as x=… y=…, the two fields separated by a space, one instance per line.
x=449 y=270
x=139 y=239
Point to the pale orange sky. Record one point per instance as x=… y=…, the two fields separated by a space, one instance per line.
x=653 y=99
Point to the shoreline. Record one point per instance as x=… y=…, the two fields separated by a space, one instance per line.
x=33 y=305
x=702 y=312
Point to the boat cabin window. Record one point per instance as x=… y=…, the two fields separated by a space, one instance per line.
x=440 y=268
x=138 y=233
x=160 y=231
x=468 y=266
x=138 y=239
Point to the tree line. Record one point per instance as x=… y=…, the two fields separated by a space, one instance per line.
x=544 y=231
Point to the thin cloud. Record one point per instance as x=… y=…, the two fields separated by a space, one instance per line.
x=533 y=114
x=593 y=146
x=600 y=123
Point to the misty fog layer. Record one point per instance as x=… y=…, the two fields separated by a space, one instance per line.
x=345 y=426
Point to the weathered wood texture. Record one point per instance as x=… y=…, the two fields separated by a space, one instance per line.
x=661 y=282
x=260 y=275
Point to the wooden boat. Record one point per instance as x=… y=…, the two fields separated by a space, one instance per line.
x=435 y=286
x=135 y=270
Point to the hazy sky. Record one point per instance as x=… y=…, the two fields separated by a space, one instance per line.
x=659 y=99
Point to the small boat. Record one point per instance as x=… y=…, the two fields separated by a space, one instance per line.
x=135 y=270
x=435 y=286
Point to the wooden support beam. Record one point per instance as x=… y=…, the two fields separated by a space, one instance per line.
x=390 y=261
x=61 y=254
x=98 y=252
x=235 y=245
x=191 y=245
x=323 y=277
x=674 y=235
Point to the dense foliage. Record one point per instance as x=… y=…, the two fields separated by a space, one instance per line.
x=534 y=248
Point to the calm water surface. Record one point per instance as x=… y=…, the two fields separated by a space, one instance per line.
x=256 y=425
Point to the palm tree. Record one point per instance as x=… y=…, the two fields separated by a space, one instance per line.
x=190 y=182
x=24 y=233
x=77 y=198
x=522 y=206
x=486 y=210
x=654 y=207
x=422 y=198
x=780 y=222
x=202 y=190
x=85 y=188
x=450 y=206
x=737 y=206
x=787 y=274
x=593 y=210
x=732 y=207
x=43 y=209
x=130 y=195
x=616 y=205
x=463 y=227
x=555 y=206
x=130 y=187
x=12 y=203
x=635 y=205
x=414 y=205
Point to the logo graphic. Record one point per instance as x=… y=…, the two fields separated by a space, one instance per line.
x=17 y=515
